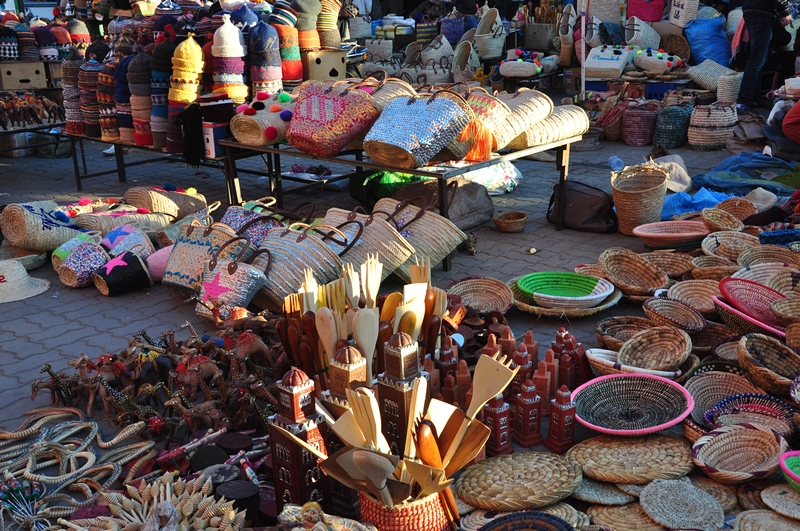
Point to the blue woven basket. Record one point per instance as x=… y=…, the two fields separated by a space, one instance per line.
x=672 y=125
x=779 y=237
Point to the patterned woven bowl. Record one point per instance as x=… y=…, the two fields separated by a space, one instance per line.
x=790 y=466
x=743 y=323
x=661 y=348
x=728 y=244
x=786 y=310
x=753 y=408
x=564 y=289
x=604 y=362
x=671 y=233
x=769 y=363
x=751 y=298
x=631 y=404
x=485 y=294
x=666 y=312
x=613 y=332
x=719 y=220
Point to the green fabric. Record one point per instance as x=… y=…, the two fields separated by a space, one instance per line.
x=369 y=187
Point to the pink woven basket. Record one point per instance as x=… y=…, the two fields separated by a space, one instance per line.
x=426 y=514
x=752 y=298
x=647 y=10
x=669 y=233
x=741 y=322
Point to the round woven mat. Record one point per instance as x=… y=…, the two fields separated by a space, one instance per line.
x=724 y=494
x=629 y=517
x=681 y=505
x=478 y=518
x=601 y=493
x=749 y=494
x=636 y=490
x=567 y=512
x=463 y=507
x=783 y=500
x=636 y=460
x=763 y=521
x=519 y=481
x=594 y=528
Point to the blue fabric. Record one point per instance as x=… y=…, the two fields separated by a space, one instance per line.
x=742 y=173
x=707 y=40
x=470 y=22
x=681 y=202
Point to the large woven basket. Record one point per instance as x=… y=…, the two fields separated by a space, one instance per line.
x=641 y=404
x=34 y=226
x=613 y=332
x=754 y=408
x=728 y=87
x=639 y=195
x=661 y=348
x=742 y=322
x=666 y=312
x=711 y=125
x=631 y=273
x=764 y=254
x=672 y=125
x=528 y=107
x=717 y=220
x=605 y=362
x=638 y=33
x=105 y=222
x=786 y=281
x=676 y=265
x=761 y=273
x=565 y=290
x=676 y=45
x=176 y=204
x=426 y=514
x=566 y=121
x=704 y=342
x=769 y=363
x=490 y=45
x=639 y=124
x=739 y=453
x=485 y=294
x=708 y=388
x=752 y=298
x=707 y=73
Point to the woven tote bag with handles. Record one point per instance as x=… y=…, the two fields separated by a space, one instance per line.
x=125 y=274
x=34 y=226
x=431 y=235
x=326 y=118
x=707 y=74
x=638 y=33
x=105 y=222
x=528 y=107
x=170 y=233
x=176 y=204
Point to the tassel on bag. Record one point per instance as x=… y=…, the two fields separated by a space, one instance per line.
x=481 y=140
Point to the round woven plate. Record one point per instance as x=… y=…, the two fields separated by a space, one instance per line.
x=636 y=490
x=636 y=460
x=763 y=521
x=752 y=298
x=724 y=494
x=567 y=513
x=529 y=521
x=478 y=518
x=631 y=404
x=783 y=500
x=526 y=304
x=680 y=505
x=519 y=481
x=601 y=493
x=629 y=517
x=749 y=494
x=484 y=294
x=562 y=289
x=708 y=388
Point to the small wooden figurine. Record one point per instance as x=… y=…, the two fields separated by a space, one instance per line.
x=561 y=429
x=491 y=346
x=533 y=347
x=565 y=343
x=447 y=362
x=464 y=381
x=552 y=367
x=566 y=371
x=450 y=389
x=507 y=342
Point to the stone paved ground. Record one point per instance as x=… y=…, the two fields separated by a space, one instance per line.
x=61 y=323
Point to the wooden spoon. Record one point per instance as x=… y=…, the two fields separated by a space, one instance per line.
x=473 y=442
x=377 y=469
x=348 y=430
x=384 y=335
x=448 y=433
x=365 y=332
x=393 y=300
x=428 y=451
x=326 y=328
x=406 y=323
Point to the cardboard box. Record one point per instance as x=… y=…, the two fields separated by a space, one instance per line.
x=54 y=75
x=538 y=37
x=324 y=64
x=213 y=132
x=665 y=28
x=16 y=140
x=22 y=76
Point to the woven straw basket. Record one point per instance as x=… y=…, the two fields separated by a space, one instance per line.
x=638 y=33
x=639 y=195
x=672 y=125
x=251 y=130
x=426 y=514
x=711 y=125
x=176 y=204
x=490 y=45
x=566 y=121
x=528 y=107
x=717 y=220
x=639 y=124
x=728 y=87
x=683 y=12
x=33 y=226
x=707 y=74
x=105 y=222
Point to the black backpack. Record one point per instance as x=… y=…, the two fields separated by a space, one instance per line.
x=588 y=208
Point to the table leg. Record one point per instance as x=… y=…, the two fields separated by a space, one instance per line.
x=443 y=210
x=359 y=157
x=119 y=155
x=278 y=181
x=74 y=151
x=83 y=156
x=562 y=163
x=232 y=178
x=270 y=175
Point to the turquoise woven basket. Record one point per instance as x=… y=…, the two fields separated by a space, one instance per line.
x=555 y=289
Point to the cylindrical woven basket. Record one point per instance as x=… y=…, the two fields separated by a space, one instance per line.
x=566 y=121
x=707 y=74
x=661 y=348
x=697 y=294
x=639 y=195
x=719 y=220
x=638 y=33
x=728 y=87
x=33 y=226
x=672 y=125
x=711 y=125
x=613 y=332
x=666 y=312
x=483 y=293
x=176 y=204
x=739 y=453
x=631 y=273
x=676 y=265
x=739 y=207
x=639 y=124
x=77 y=270
x=683 y=12
x=769 y=363
x=528 y=107
x=426 y=514
x=133 y=276
x=106 y=221
x=511 y=221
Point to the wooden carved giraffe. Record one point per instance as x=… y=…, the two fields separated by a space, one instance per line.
x=92 y=386
x=64 y=388
x=208 y=393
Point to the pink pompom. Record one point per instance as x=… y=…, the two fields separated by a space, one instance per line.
x=518 y=52
x=85 y=201
x=261 y=96
x=271 y=133
x=142 y=210
x=241 y=107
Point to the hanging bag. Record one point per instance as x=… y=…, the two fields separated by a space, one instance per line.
x=381 y=49
x=360 y=27
x=452 y=27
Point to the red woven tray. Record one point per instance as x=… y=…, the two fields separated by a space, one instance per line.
x=752 y=298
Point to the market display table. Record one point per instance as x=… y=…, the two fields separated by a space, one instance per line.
x=39 y=129
x=234 y=151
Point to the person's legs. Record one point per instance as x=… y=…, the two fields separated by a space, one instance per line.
x=760 y=29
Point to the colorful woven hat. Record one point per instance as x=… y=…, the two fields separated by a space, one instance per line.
x=188 y=57
x=244 y=18
x=308 y=40
x=9 y=48
x=168 y=7
x=307 y=13
x=228 y=40
x=60 y=34
x=28 y=51
x=46 y=42
x=162 y=53
x=10 y=19
x=139 y=74
x=125 y=43
x=16 y=285
x=291 y=66
x=97 y=50
x=78 y=31
x=265 y=59
x=106 y=85
x=161 y=23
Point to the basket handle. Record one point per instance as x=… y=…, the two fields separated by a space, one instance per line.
x=446 y=90
x=349 y=243
x=258 y=219
x=269 y=259
x=403 y=204
x=233 y=265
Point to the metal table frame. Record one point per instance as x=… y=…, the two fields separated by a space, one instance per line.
x=39 y=129
x=234 y=151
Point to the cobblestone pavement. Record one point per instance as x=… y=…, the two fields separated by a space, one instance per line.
x=58 y=325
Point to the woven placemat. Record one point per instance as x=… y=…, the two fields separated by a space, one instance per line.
x=783 y=500
x=521 y=481
x=594 y=528
x=629 y=517
x=749 y=494
x=724 y=494
x=636 y=490
x=478 y=518
x=681 y=505
x=636 y=460
x=463 y=507
x=601 y=493
x=763 y=521
x=567 y=512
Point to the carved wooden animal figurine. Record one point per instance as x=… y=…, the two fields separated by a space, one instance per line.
x=250 y=345
x=38 y=385
x=64 y=387
x=200 y=413
x=92 y=386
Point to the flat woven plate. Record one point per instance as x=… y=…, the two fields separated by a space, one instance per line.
x=463 y=507
x=680 y=505
x=629 y=517
x=519 y=481
x=636 y=490
x=526 y=304
x=636 y=460
x=749 y=494
x=601 y=493
x=724 y=494
x=566 y=512
x=764 y=521
x=783 y=499
x=478 y=518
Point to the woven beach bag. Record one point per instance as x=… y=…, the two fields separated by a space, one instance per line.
x=381 y=49
x=683 y=12
x=126 y=273
x=649 y=11
x=639 y=195
x=728 y=87
x=176 y=204
x=77 y=270
x=593 y=39
x=267 y=125
x=491 y=112
x=605 y=10
x=386 y=89
x=431 y=235
x=638 y=33
x=170 y=233
x=35 y=227
x=490 y=45
x=360 y=27
x=436 y=49
x=707 y=73
x=672 y=125
x=62 y=251
x=711 y=125
x=566 y=121
x=528 y=107
x=639 y=123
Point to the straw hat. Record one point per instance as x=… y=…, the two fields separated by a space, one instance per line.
x=16 y=285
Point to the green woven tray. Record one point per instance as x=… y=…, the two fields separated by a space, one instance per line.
x=565 y=289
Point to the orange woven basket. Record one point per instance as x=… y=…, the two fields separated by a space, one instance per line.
x=426 y=514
